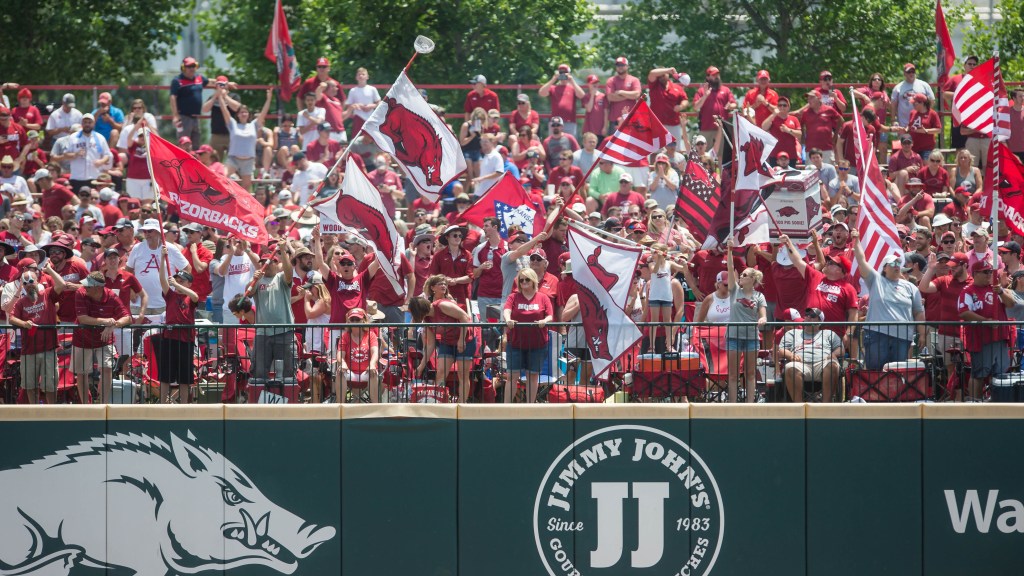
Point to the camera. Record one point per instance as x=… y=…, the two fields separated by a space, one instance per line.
x=221 y=84
x=563 y=76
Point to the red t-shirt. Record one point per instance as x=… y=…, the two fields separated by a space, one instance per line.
x=516 y=120
x=835 y=299
x=425 y=204
x=898 y=161
x=381 y=290
x=629 y=83
x=30 y=114
x=664 y=99
x=563 y=102
x=794 y=292
x=490 y=283
x=933 y=183
x=138 y=169
x=180 y=310
x=74 y=270
x=345 y=295
x=953 y=210
x=357 y=352
x=984 y=301
x=761 y=113
x=714 y=106
x=548 y=287
x=488 y=101
x=850 y=140
x=923 y=142
x=949 y=290
x=111 y=214
x=310 y=85
x=422 y=268
x=821 y=127
x=316 y=152
x=706 y=267
x=593 y=121
x=454 y=267
x=298 y=306
x=623 y=200
x=42 y=311
x=200 y=280
x=334 y=111
x=553 y=249
x=54 y=199
x=108 y=306
x=526 y=309
x=787 y=142
x=925 y=203
x=830 y=96
x=557 y=173
x=566 y=288
x=448 y=334
x=389 y=178
x=12 y=140
x=122 y=285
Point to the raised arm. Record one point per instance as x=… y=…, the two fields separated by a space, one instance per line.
x=262 y=116
x=858 y=251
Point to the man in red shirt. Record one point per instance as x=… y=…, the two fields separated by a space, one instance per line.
x=54 y=196
x=423 y=254
x=828 y=94
x=846 y=146
x=99 y=313
x=707 y=264
x=555 y=245
x=786 y=129
x=199 y=259
x=487 y=266
x=711 y=100
x=388 y=184
x=111 y=213
x=830 y=290
x=69 y=267
x=595 y=106
x=821 y=123
x=323 y=149
x=13 y=138
x=916 y=206
x=761 y=101
x=323 y=74
x=957 y=140
x=565 y=169
x=480 y=96
x=623 y=198
x=622 y=89
x=946 y=276
x=455 y=263
x=564 y=93
x=668 y=99
x=389 y=301
x=904 y=164
x=25 y=114
x=36 y=307
x=989 y=345
x=126 y=287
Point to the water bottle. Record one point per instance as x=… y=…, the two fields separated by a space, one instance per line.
x=212 y=345
x=209 y=304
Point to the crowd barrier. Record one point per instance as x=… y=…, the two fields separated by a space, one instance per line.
x=679 y=362
x=698 y=489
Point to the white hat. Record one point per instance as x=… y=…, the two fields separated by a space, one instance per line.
x=88 y=116
x=150 y=224
x=892 y=259
x=284 y=195
x=941 y=220
x=40 y=174
x=699 y=138
x=578 y=208
x=107 y=195
x=626 y=178
x=596 y=215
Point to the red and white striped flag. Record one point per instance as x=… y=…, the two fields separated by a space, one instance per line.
x=640 y=135
x=877 y=225
x=980 y=91
x=604 y=272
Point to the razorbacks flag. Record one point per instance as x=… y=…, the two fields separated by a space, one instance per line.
x=752 y=218
x=357 y=208
x=508 y=202
x=698 y=198
x=877 y=226
x=945 y=56
x=640 y=135
x=980 y=91
x=404 y=126
x=202 y=195
x=280 y=51
x=603 y=273
x=1011 y=186
x=754 y=145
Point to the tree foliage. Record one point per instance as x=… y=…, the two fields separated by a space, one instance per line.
x=507 y=41
x=1009 y=32
x=794 y=39
x=87 y=41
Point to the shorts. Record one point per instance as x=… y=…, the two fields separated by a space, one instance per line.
x=813 y=372
x=83 y=359
x=451 y=351
x=659 y=303
x=138 y=188
x=357 y=377
x=741 y=345
x=244 y=166
x=39 y=371
x=471 y=155
x=526 y=360
x=174 y=360
x=992 y=360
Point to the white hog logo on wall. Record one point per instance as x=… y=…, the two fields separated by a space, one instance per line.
x=177 y=508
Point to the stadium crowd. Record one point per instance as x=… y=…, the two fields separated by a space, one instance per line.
x=87 y=245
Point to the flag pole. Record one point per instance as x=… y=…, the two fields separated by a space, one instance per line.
x=732 y=196
x=862 y=165
x=994 y=153
x=156 y=196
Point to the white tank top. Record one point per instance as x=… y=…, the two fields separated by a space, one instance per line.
x=719 y=309
x=661 y=285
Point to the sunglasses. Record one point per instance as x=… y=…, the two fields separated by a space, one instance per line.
x=273 y=223
x=843 y=169
x=347 y=263
x=536 y=259
x=566 y=185
x=454 y=235
x=982 y=271
x=136 y=107
x=172 y=231
x=657 y=217
x=322 y=66
x=619 y=229
x=74 y=229
x=522 y=103
x=638 y=232
x=934 y=161
x=525 y=281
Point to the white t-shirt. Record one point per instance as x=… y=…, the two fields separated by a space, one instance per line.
x=243 y=139
x=305 y=118
x=362 y=95
x=240 y=273
x=903 y=92
x=304 y=182
x=95 y=146
x=145 y=264
x=123 y=142
x=61 y=119
x=489 y=164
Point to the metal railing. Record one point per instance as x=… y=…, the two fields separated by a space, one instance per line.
x=305 y=363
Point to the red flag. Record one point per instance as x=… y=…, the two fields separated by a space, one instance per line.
x=698 y=198
x=280 y=51
x=980 y=91
x=405 y=127
x=640 y=135
x=878 y=235
x=603 y=273
x=1011 y=186
x=508 y=202
x=357 y=208
x=946 y=57
x=201 y=195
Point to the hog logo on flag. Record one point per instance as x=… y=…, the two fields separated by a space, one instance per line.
x=405 y=127
x=756 y=145
x=603 y=273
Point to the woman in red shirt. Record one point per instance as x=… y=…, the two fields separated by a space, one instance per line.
x=454 y=262
x=934 y=176
x=923 y=126
x=527 y=346
x=358 y=354
x=453 y=343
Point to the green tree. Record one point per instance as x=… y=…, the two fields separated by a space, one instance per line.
x=508 y=41
x=87 y=41
x=794 y=39
x=1009 y=31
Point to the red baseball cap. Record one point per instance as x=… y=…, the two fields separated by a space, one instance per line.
x=346 y=255
x=564 y=68
x=26 y=263
x=189 y=61
x=790 y=315
x=538 y=252
x=842 y=261
x=823 y=74
x=981 y=265
x=184 y=140
x=920 y=98
x=763 y=74
x=593 y=79
x=567 y=180
x=711 y=71
x=323 y=62
x=564 y=258
x=621 y=60
x=4 y=110
x=104 y=97
x=959 y=258
x=909 y=67
x=24 y=93
x=222 y=78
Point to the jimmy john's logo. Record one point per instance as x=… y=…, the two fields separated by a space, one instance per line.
x=628 y=497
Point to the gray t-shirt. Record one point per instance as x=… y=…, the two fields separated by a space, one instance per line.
x=744 y=309
x=811 y=349
x=892 y=302
x=274 y=304
x=1016 y=312
x=509 y=269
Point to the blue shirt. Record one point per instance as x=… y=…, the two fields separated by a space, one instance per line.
x=512 y=168
x=102 y=127
x=189 y=92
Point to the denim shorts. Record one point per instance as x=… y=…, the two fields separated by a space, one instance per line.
x=659 y=303
x=526 y=360
x=740 y=345
x=451 y=351
x=471 y=155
